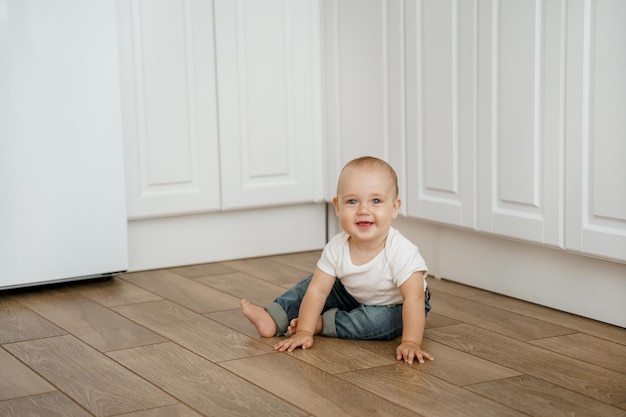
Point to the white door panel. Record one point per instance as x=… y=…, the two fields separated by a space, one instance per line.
x=521 y=129
x=596 y=142
x=169 y=100
x=441 y=98
x=269 y=102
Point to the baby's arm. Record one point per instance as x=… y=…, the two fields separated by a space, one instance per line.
x=310 y=310
x=413 y=321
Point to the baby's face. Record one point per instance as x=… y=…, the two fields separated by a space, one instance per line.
x=366 y=202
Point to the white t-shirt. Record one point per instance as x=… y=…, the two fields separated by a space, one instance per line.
x=378 y=281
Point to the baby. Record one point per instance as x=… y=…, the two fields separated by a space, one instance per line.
x=370 y=282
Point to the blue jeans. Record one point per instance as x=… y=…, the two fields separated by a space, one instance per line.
x=343 y=316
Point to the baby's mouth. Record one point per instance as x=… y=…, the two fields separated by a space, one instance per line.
x=364 y=224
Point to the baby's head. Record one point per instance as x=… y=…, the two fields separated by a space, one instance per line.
x=367 y=199
x=370 y=163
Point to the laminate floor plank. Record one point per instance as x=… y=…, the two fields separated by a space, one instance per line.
x=437 y=320
x=18 y=380
x=336 y=356
x=585 y=378
x=543 y=399
x=271 y=271
x=176 y=410
x=305 y=261
x=587 y=348
x=499 y=321
x=424 y=394
x=202 y=270
x=329 y=354
x=580 y=324
x=94 y=381
x=197 y=333
x=89 y=321
x=242 y=285
x=312 y=389
x=184 y=291
x=49 y=404
x=453 y=288
x=203 y=385
x=115 y=292
x=451 y=365
x=18 y=323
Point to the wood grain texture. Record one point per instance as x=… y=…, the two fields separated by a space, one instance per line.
x=450 y=365
x=497 y=320
x=329 y=353
x=305 y=261
x=18 y=323
x=543 y=399
x=427 y=395
x=242 y=285
x=89 y=321
x=18 y=380
x=588 y=348
x=176 y=410
x=184 y=291
x=193 y=331
x=453 y=288
x=571 y=321
x=94 y=381
x=312 y=389
x=115 y=292
x=202 y=270
x=582 y=377
x=203 y=385
x=50 y=404
x=116 y=348
x=268 y=270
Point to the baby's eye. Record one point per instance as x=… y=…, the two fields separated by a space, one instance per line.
x=351 y=202
x=376 y=201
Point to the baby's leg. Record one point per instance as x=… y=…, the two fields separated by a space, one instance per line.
x=364 y=322
x=260 y=318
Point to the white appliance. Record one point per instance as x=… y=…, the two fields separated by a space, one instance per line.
x=62 y=198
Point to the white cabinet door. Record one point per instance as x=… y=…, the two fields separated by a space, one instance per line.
x=169 y=106
x=441 y=120
x=520 y=119
x=596 y=126
x=364 y=85
x=268 y=58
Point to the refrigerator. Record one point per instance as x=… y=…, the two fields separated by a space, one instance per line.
x=62 y=195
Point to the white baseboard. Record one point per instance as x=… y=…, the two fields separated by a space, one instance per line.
x=185 y=240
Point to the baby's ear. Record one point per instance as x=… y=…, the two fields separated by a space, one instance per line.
x=396 y=207
x=336 y=204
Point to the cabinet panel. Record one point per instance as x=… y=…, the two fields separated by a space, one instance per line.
x=441 y=97
x=596 y=147
x=169 y=106
x=269 y=102
x=364 y=85
x=521 y=111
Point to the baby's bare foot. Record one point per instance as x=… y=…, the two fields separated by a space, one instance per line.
x=260 y=318
x=293 y=326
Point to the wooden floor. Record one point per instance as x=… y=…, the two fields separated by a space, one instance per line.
x=173 y=342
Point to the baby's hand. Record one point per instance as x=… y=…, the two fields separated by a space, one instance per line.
x=408 y=351
x=303 y=339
